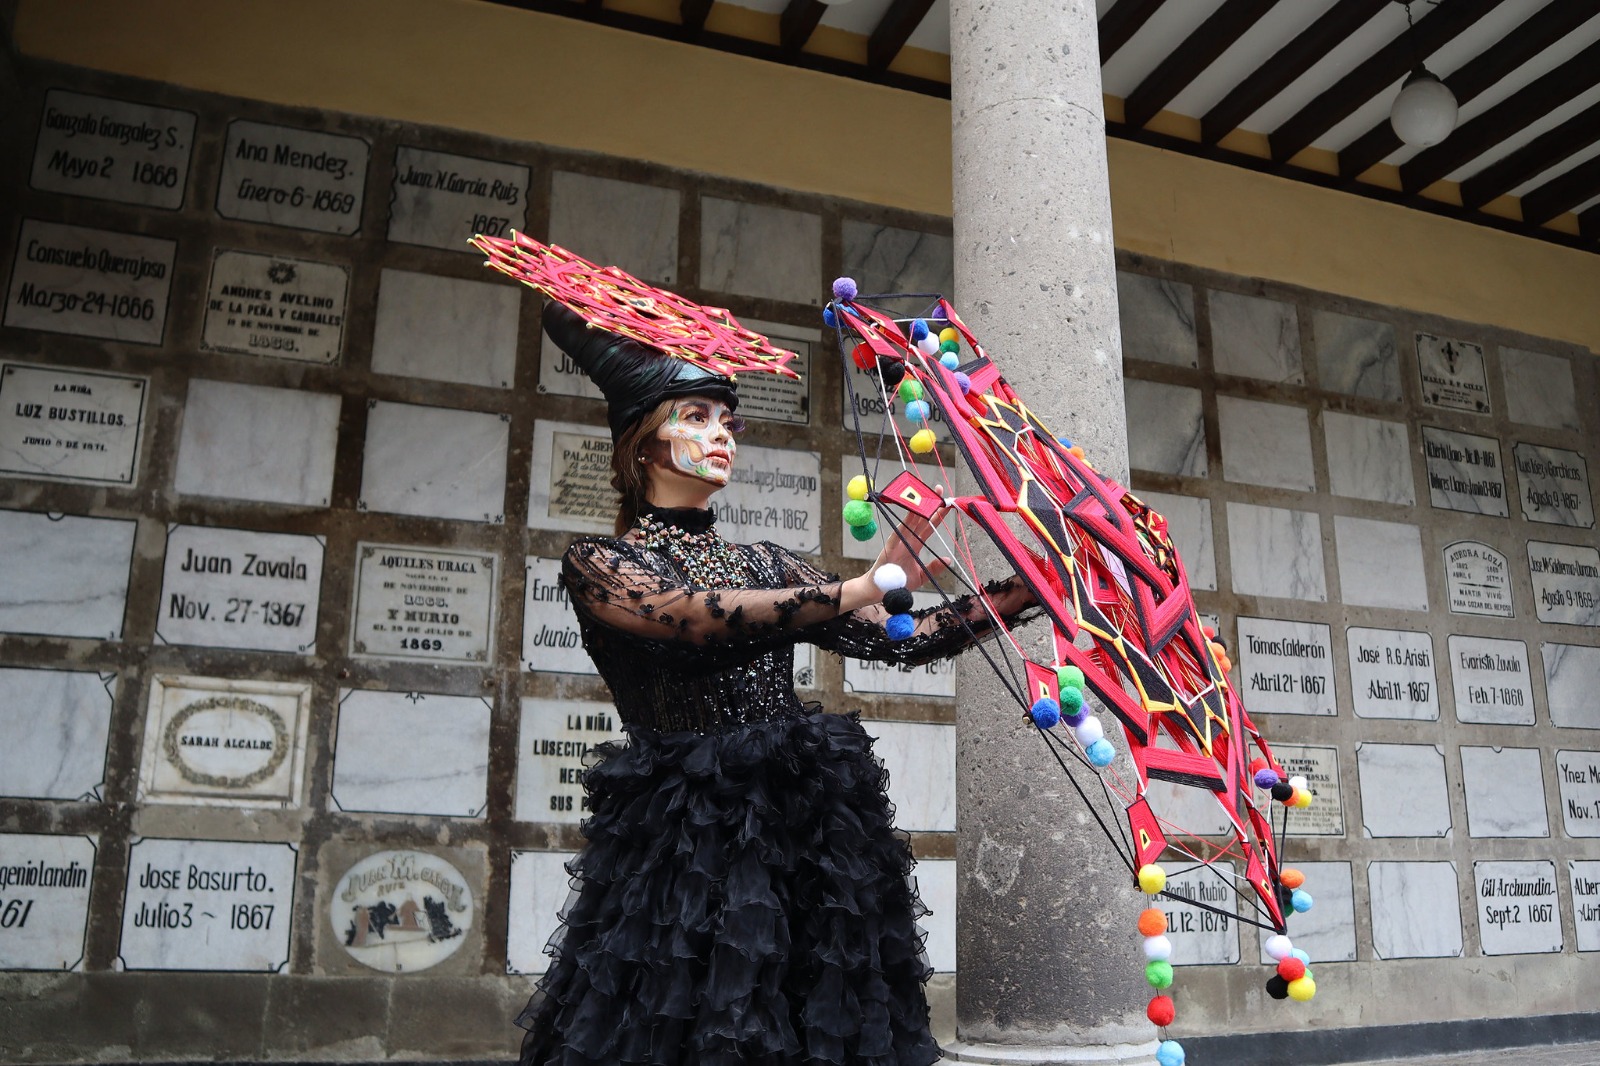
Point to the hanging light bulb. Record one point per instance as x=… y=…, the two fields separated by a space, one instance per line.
x=1425 y=111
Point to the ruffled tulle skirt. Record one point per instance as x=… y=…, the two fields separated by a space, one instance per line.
x=743 y=898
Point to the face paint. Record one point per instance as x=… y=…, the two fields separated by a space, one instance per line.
x=699 y=438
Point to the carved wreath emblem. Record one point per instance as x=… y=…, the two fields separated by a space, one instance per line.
x=174 y=750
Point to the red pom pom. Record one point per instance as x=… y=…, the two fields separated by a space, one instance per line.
x=1161 y=1010
x=1291 y=969
x=1257 y=765
x=864 y=357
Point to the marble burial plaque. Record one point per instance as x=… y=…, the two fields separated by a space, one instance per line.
x=805 y=666
x=862 y=395
x=208 y=905
x=1554 y=486
x=1326 y=932
x=560 y=376
x=71 y=425
x=290 y=177
x=90 y=283
x=921 y=760
x=1571 y=679
x=446 y=329
x=1391 y=674
x=54 y=725
x=556 y=739
x=442 y=201
x=236 y=588
x=1578 y=776
x=1465 y=472
x=774 y=494
x=1403 y=792
x=435 y=462
x=1320 y=767
x=1202 y=937
x=276 y=306
x=1566 y=583
x=217 y=742
x=113 y=150
x=571 y=484
x=1416 y=910
x=423 y=604
x=411 y=753
x=771 y=398
x=258 y=442
x=936 y=884
x=44 y=900
x=65 y=576
x=1585 y=874
x=1287 y=667
x=1505 y=792
x=1452 y=374
x=1517 y=907
x=931 y=679
x=1492 y=683
x=402 y=911
x=550 y=639
x=539 y=889
x=1477 y=580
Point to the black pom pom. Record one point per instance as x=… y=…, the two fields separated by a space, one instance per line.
x=1282 y=791
x=1219 y=642
x=898 y=601
x=891 y=370
x=1277 y=987
x=1285 y=898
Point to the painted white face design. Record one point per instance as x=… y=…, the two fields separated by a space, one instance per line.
x=699 y=436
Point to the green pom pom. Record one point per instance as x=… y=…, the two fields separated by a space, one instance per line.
x=1158 y=973
x=949 y=346
x=910 y=389
x=1071 y=699
x=858 y=512
x=1069 y=677
x=866 y=532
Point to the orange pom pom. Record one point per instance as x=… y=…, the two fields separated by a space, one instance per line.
x=1152 y=922
x=1077 y=451
x=1292 y=878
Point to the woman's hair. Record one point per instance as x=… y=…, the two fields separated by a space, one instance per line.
x=629 y=476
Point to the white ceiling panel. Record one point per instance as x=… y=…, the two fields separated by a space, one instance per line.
x=1258 y=44
x=857 y=16
x=1378 y=31
x=771 y=7
x=1542 y=125
x=1581 y=156
x=1581 y=208
x=934 y=32
x=1169 y=27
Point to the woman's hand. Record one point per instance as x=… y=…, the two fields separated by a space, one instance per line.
x=902 y=546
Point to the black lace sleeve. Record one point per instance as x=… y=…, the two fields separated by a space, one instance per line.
x=615 y=583
x=941 y=631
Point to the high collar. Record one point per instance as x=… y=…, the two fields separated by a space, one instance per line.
x=688 y=519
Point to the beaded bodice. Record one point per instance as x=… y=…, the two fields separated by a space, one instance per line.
x=693 y=632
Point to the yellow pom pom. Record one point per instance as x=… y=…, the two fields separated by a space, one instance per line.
x=922 y=441
x=1152 y=879
x=858 y=487
x=1302 y=989
x=949 y=334
x=1302 y=797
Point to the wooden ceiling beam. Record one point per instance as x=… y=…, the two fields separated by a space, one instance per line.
x=1562 y=193
x=1286 y=65
x=1522 y=44
x=692 y=13
x=796 y=25
x=1589 y=223
x=1532 y=159
x=1186 y=62
x=1379 y=71
x=1511 y=115
x=894 y=30
x=1123 y=21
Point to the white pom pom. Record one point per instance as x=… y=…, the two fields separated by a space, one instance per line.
x=1157 y=948
x=1278 y=947
x=1300 y=784
x=1088 y=731
x=888 y=577
x=929 y=345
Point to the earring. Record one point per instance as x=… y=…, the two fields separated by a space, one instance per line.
x=644 y=458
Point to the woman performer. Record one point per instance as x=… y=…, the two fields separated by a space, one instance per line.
x=743 y=897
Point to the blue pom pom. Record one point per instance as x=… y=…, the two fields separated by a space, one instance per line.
x=1170 y=1053
x=918 y=410
x=1301 y=901
x=964 y=382
x=949 y=360
x=919 y=329
x=1046 y=712
x=1064 y=442
x=828 y=318
x=1301 y=955
x=1266 y=777
x=1100 y=753
x=844 y=289
x=900 y=626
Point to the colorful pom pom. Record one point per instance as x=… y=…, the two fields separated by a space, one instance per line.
x=898 y=601
x=892 y=371
x=949 y=360
x=1301 y=901
x=1300 y=783
x=1277 y=987
x=928 y=345
x=1045 y=712
x=1169 y=1053
x=889 y=576
x=1302 y=990
x=963 y=382
x=1070 y=677
x=1278 y=947
x=1100 y=754
x=1075 y=700
x=1283 y=791
x=858 y=512
x=949 y=345
x=1161 y=1011
x=828 y=318
x=866 y=532
x=917 y=410
x=1292 y=878
x=844 y=289
x=1291 y=969
x=1088 y=731
x=1152 y=879
x=1266 y=777
x=919 y=329
x=1302 y=956
x=900 y=626
x=1302 y=798
x=923 y=441
x=863 y=356
x=949 y=334
x=1157 y=948
x=1152 y=922
x=911 y=389
x=858 y=487
x=1158 y=973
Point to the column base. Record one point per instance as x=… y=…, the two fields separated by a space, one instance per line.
x=1042 y=1054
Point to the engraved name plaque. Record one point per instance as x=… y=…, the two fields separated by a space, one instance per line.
x=1477 y=579
x=290 y=177
x=442 y=200
x=422 y=603
x=1287 y=667
x=236 y=588
x=90 y=282
x=71 y=425
x=113 y=150
x=1452 y=374
x=276 y=306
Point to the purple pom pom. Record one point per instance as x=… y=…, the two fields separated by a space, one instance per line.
x=964 y=382
x=1266 y=778
x=844 y=289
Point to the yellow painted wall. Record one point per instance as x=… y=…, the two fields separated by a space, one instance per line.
x=525 y=76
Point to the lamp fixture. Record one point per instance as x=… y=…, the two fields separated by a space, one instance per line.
x=1425 y=111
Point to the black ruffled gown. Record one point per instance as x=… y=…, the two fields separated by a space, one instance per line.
x=743 y=897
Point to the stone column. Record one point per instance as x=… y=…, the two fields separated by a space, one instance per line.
x=1049 y=965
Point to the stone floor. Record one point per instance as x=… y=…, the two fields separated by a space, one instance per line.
x=1546 y=1055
